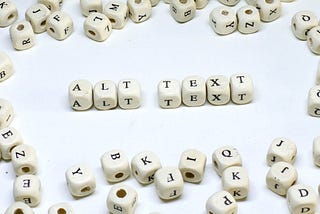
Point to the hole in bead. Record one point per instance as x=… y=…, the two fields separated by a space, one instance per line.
x=269 y=1
x=52 y=30
x=43 y=23
x=248 y=11
x=61 y=211
x=215 y=164
x=224 y=12
x=11 y=16
x=25 y=169
x=136 y=172
x=92 y=32
x=10 y=150
x=137 y=1
x=183 y=1
x=210 y=212
x=189 y=175
x=20 y=27
x=112 y=20
x=119 y=175
x=18 y=211
x=121 y=193
x=85 y=189
x=310 y=41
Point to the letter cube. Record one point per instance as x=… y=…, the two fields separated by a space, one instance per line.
x=59 y=25
x=223 y=20
x=302 y=22
x=313 y=40
x=6 y=113
x=169 y=183
x=302 y=199
x=61 y=208
x=221 y=203
x=218 y=90
x=193 y=91
x=80 y=180
x=52 y=5
x=22 y=35
x=225 y=157
x=269 y=10
x=229 y=2
x=183 y=10
x=248 y=19
x=8 y=13
x=314 y=101
x=117 y=12
x=19 y=207
x=139 y=10
x=169 y=93
x=37 y=16
x=27 y=189
x=97 y=27
x=280 y=177
x=6 y=67
x=105 y=95
x=80 y=95
x=316 y=151
x=24 y=160
x=281 y=149
x=9 y=138
x=115 y=166
x=129 y=94
x=192 y=165
x=144 y=165
x=122 y=199
x=90 y=6
x=241 y=88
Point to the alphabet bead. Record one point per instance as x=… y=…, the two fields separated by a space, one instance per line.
x=122 y=199
x=221 y=203
x=52 y=5
x=19 y=207
x=169 y=183
x=90 y=6
x=314 y=101
x=302 y=22
x=59 y=25
x=80 y=95
x=316 y=151
x=6 y=113
x=169 y=93
x=269 y=10
x=235 y=180
x=193 y=91
x=223 y=20
x=129 y=94
x=182 y=10
x=22 y=35
x=313 y=40
x=61 y=208
x=24 y=160
x=9 y=138
x=27 y=189
x=248 y=19
x=144 y=165
x=192 y=165
x=229 y=2
x=37 y=16
x=117 y=12
x=8 y=13
x=6 y=67
x=241 y=88
x=105 y=95
x=225 y=157
x=97 y=27
x=281 y=149
x=281 y=176
x=218 y=90
x=115 y=166
x=139 y=10
x=80 y=180
x=302 y=199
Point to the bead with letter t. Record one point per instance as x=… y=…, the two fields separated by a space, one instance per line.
x=129 y=94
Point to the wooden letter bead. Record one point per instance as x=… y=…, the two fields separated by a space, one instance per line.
x=193 y=91
x=302 y=199
x=139 y=10
x=22 y=35
x=281 y=176
x=270 y=10
x=302 y=22
x=8 y=13
x=169 y=93
x=169 y=183
x=122 y=199
x=192 y=165
x=229 y=2
x=117 y=12
x=221 y=203
x=97 y=27
x=80 y=95
x=223 y=20
x=314 y=101
x=6 y=113
x=241 y=88
x=313 y=40
x=316 y=151
x=9 y=138
x=6 y=67
x=248 y=19
x=144 y=165
x=19 y=207
x=235 y=180
x=129 y=94
x=61 y=208
x=59 y=25
x=105 y=95
x=115 y=166
x=52 y=5
x=24 y=160
x=27 y=189
x=218 y=90
x=225 y=157
x=281 y=149
x=183 y=10
x=90 y=6
x=80 y=180
x=37 y=15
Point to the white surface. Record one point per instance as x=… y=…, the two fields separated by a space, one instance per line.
x=282 y=68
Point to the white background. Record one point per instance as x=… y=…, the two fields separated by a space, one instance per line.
x=282 y=68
